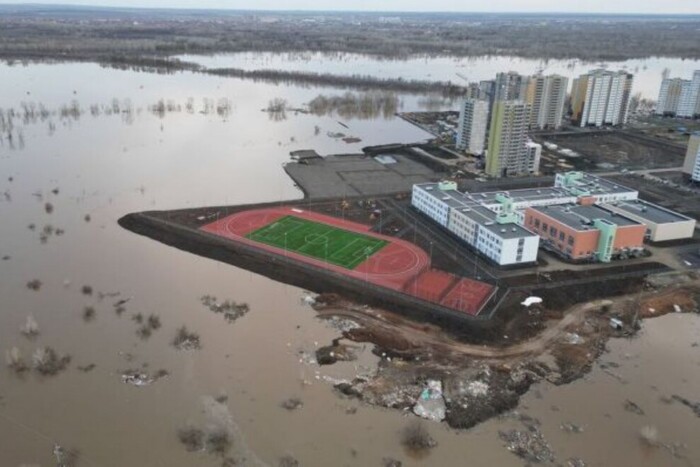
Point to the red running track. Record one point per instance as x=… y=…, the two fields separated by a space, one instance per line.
x=400 y=265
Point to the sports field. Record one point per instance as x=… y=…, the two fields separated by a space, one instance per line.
x=321 y=241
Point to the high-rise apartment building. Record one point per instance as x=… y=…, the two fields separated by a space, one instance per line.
x=547 y=96
x=689 y=102
x=670 y=96
x=679 y=97
x=601 y=98
x=534 y=154
x=691 y=166
x=508 y=153
x=473 y=122
x=510 y=86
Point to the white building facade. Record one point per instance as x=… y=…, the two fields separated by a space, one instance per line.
x=500 y=239
x=473 y=123
x=606 y=98
x=691 y=165
x=680 y=97
x=547 y=97
x=534 y=154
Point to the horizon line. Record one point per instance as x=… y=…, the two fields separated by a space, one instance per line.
x=395 y=12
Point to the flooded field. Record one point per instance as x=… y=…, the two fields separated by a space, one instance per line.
x=455 y=69
x=129 y=396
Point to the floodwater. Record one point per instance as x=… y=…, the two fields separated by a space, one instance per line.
x=108 y=165
x=455 y=69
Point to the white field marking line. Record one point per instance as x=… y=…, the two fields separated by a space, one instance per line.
x=314 y=237
x=295 y=225
x=335 y=253
x=250 y=224
x=415 y=265
x=372 y=245
x=271 y=238
x=307 y=242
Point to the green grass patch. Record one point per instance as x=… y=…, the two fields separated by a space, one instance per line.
x=320 y=241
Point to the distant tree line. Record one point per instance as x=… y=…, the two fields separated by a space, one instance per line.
x=85 y=34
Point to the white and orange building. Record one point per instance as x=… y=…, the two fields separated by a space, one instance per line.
x=582 y=217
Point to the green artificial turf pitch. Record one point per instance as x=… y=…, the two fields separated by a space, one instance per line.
x=320 y=241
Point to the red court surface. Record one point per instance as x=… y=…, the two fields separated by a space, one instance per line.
x=468 y=296
x=400 y=265
x=431 y=285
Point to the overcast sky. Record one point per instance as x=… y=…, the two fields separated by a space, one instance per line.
x=572 y=6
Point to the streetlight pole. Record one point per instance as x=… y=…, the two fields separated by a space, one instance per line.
x=366 y=266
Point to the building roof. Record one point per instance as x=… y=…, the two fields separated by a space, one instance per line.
x=476 y=211
x=581 y=218
x=597 y=186
x=650 y=212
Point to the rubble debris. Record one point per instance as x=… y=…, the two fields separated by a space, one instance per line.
x=528 y=445
x=335 y=352
x=34 y=284
x=616 y=324
x=633 y=407
x=574 y=462
x=308 y=299
x=415 y=437
x=14 y=360
x=342 y=324
x=186 y=340
x=288 y=461
x=231 y=310
x=47 y=362
x=30 y=329
x=695 y=406
x=141 y=378
x=292 y=403
x=572 y=338
x=431 y=405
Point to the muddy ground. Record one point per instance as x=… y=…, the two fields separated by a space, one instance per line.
x=480 y=382
x=616 y=149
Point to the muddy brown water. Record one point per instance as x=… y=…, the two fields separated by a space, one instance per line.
x=106 y=168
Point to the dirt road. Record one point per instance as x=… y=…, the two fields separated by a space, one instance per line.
x=410 y=336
